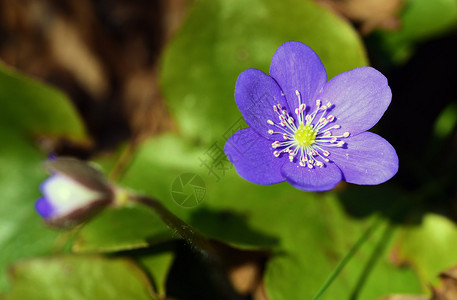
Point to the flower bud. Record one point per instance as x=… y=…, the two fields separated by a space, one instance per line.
x=73 y=193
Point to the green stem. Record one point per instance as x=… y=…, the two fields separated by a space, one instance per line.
x=218 y=271
x=183 y=229
x=347 y=258
x=375 y=255
x=123 y=162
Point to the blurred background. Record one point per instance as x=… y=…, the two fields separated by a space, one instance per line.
x=103 y=54
x=145 y=89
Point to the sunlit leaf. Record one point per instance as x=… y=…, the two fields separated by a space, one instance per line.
x=78 y=277
x=307 y=233
x=427 y=247
x=220 y=39
x=34 y=108
x=446 y=290
x=122 y=229
x=28 y=108
x=22 y=233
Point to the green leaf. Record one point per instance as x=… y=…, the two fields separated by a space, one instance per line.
x=220 y=39
x=122 y=229
x=427 y=247
x=420 y=20
x=158 y=265
x=318 y=242
x=78 y=277
x=308 y=232
x=446 y=121
x=27 y=108
x=34 y=108
x=22 y=233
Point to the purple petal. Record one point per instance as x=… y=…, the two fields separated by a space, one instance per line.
x=256 y=93
x=252 y=156
x=361 y=96
x=296 y=66
x=312 y=180
x=44 y=208
x=368 y=159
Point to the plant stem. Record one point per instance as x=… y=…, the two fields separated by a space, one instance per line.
x=375 y=255
x=183 y=229
x=219 y=275
x=122 y=162
x=347 y=258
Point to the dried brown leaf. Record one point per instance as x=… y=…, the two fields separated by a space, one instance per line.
x=102 y=54
x=370 y=14
x=447 y=290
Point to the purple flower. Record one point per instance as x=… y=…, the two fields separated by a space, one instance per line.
x=307 y=131
x=74 y=192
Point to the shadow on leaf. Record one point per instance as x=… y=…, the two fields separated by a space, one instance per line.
x=231 y=227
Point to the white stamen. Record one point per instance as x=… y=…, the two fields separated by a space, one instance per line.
x=312 y=145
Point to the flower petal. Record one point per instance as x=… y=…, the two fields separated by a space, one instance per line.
x=66 y=195
x=368 y=159
x=255 y=94
x=312 y=180
x=81 y=172
x=296 y=66
x=361 y=96
x=252 y=156
x=44 y=208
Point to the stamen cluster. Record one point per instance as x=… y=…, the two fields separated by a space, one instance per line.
x=309 y=136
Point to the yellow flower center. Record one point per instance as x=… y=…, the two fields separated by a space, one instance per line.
x=305 y=135
x=308 y=138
